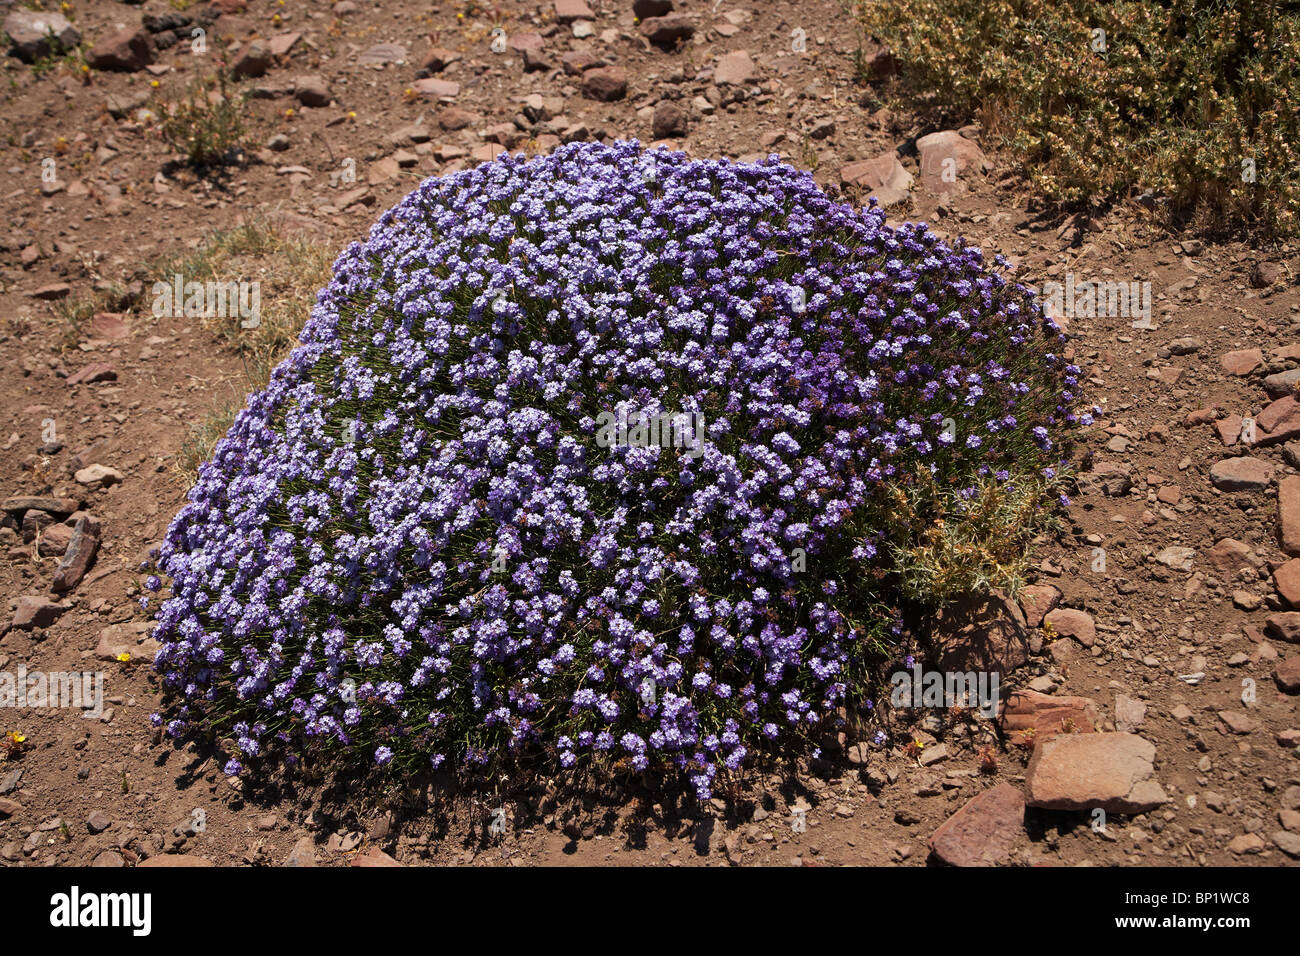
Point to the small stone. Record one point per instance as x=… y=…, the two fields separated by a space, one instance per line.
x=95 y=372
x=886 y=178
x=302 y=854
x=1176 y=557
x=984 y=831
x=1288 y=510
x=98 y=476
x=1287 y=580
x=83 y=545
x=734 y=69
x=35 y=34
x=1241 y=474
x=1087 y=771
x=1030 y=717
x=128 y=50
x=35 y=611
x=98 y=821
x=1245 y=844
x=1069 y=622
x=1242 y=362
x=666 y=31
x=1238 y=722
x=1038 y=600
x=1288 y=843
x=606 y=83
x=253 y=60
x=670 y=120
x=1287 y=675
x=311 y=90
x=374 y=857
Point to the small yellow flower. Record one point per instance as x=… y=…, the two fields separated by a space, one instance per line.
x=17 y=738
x=352 y=115
x=154 y=84
x=288 y=114
x=124 y=657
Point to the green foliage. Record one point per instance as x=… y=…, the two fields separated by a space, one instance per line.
x=1175 y=101
x=206 y=122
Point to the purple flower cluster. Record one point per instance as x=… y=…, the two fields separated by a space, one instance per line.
x=410 y=544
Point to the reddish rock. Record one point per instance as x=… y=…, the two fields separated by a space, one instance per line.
x=109 y=325
x=670 y=120
x=1030 y=717
x=80 y=555
x=1070 y=622
x=884 y=176
x=253 y=60
x=1036 y=600
x=55 y=506
x=1113 y=772
x=1230 y=556
x=129 y=638
x=95 y=372
x=1241 y=474
x=536 y=62
x=282 y=43
x=302 y=854
x=1287 y=580
x=54 y=539
x=945 y=157
x=576 y=61
x=1287 y=675
x=1279 y=421
x=34 y=34
x=981 y=633
x=35 y=611
x=984 y=831
x=1288 y=515
x=644 y=9
x=1200 y=416
x=49 y=293
x=453 y=118
x=519 y=42
x=569 y=10
x=374 y=857
x=1285 y=626
x=1238 y=722
x=438 y=59
x=667 y=31
x=1229 y=429
x=734 y=69
x=1111 y=478
x=173 y=860
x=606 y=83
x=128 y=49
x=1242 y=362
x=311 y=90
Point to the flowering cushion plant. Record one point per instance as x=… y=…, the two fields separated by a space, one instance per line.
x=424 y=541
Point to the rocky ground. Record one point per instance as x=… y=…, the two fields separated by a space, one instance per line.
x=1150 y=670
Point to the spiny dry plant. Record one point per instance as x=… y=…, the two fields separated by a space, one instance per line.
x=1193 y=101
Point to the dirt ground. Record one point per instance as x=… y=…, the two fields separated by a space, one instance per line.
x=1170 y=600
